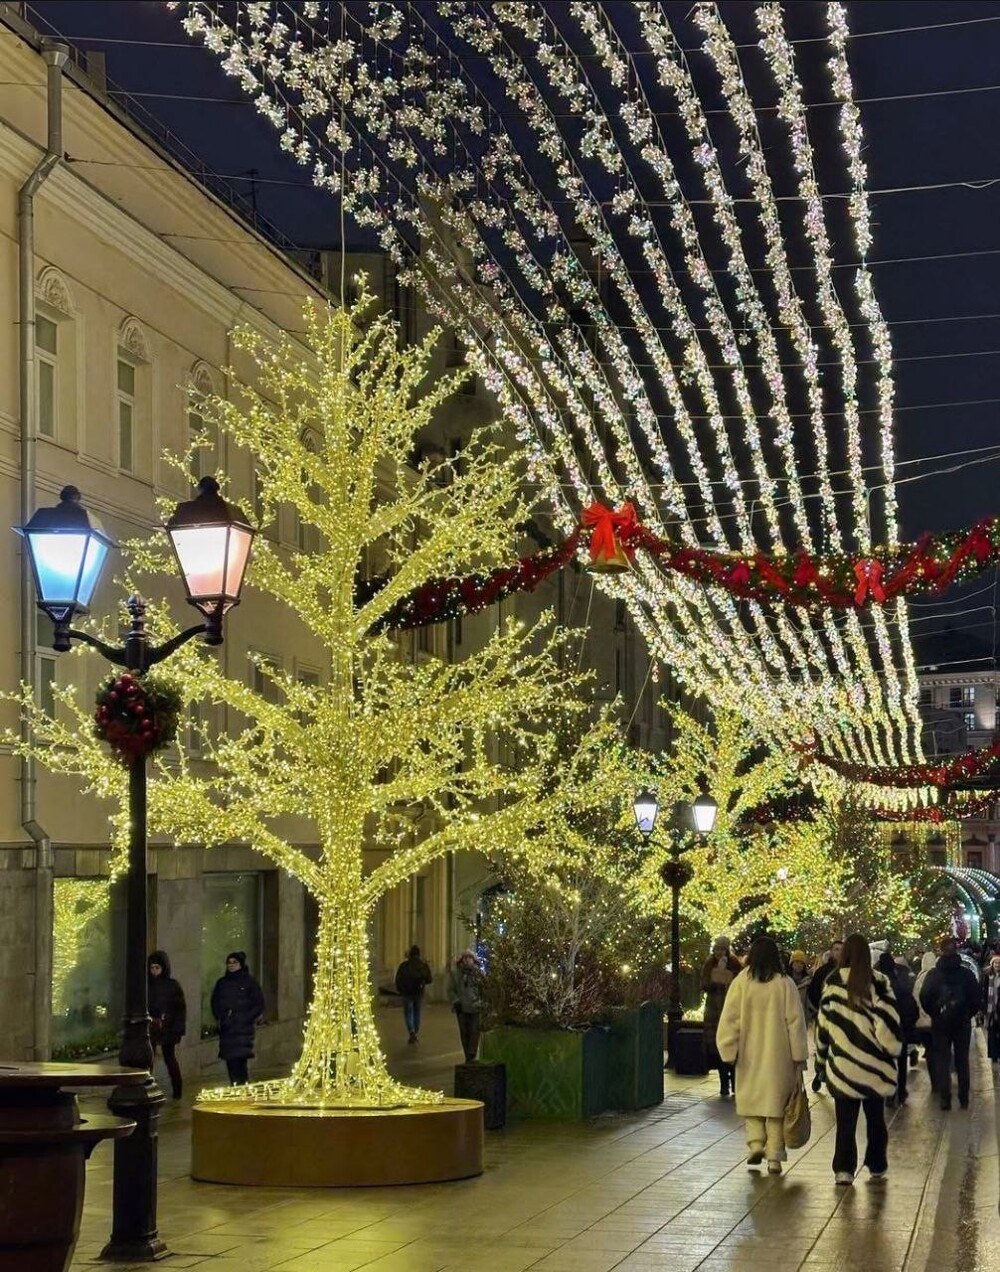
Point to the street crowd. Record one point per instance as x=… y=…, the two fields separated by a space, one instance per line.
x=870 y=1014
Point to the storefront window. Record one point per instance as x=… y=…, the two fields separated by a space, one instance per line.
x=86 y=999
x=231 y=921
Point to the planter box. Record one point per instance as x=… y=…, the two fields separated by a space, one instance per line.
x=635 y=1059
x=553 y=1074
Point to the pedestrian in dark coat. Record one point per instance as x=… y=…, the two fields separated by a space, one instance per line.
x=465 y=993
x=991 y=1008
x=168 y=1015
x=237 y=1004
x=412 y=977
x=950 y=996
x=717 y=975
x=900 y=980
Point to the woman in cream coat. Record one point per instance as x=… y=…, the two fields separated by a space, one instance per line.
x=763 y=1030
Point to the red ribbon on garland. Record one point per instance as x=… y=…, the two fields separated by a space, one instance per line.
x=608 y=529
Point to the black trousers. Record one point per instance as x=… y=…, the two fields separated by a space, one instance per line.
x=173 y=1068
x=946 y=1040
x=468 y=1029
x=845 y=1153
x=238 y=1075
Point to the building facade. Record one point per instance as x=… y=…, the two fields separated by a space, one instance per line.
x=126 y=276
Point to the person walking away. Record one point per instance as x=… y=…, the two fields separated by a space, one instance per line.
x=465 y=993
x=237 y=1004
x=991 y=1008
x=950 y=996
x=762 y=1031
x=906 y=1005
x=922 y=1030
x=858 y=1041
x=815 y=991
x=412 y=976
x=168 y=1015
x=719 y=972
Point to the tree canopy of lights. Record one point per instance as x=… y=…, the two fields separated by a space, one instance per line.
x=742 y=878
x=347 y=762
x=624 y=213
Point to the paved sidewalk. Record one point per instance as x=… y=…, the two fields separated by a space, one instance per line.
x=666 y=1189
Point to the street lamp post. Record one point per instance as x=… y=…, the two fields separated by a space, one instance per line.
x=68 y=550
x=698 y=816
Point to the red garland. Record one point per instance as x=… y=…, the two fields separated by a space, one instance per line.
x=834 y=581
x=983 y=762
x=946 y=811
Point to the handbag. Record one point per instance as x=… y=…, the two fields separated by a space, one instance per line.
x=798 y=1120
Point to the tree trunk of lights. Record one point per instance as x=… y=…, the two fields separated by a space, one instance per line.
x=342 y=1060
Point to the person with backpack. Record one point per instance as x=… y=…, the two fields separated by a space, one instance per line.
x=900 y=980
x=950 y=995
x=412 y=976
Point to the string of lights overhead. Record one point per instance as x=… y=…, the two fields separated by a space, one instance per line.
x=640 y=258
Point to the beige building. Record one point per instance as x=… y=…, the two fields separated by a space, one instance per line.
x=122 y=278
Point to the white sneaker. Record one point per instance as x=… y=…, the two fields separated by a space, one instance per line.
x=876 y=1175
x=844 y=1178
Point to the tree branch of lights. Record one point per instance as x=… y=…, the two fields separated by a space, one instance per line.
x=784 y=872
x=387 y=116
x=346 y=763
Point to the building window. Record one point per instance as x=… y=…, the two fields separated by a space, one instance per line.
x=231 y=920
x=969 y=696
x=937 y=857
x=974 y=858
x=263 y=668
x=46 y=351
x=969 y=720
x=927 y=697
x=126 y=413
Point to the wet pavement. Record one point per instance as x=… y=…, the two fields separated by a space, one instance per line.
x=664 y=1189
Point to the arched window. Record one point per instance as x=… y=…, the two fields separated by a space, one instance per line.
x=133 y=392
x=203 y=434
x=55 y=357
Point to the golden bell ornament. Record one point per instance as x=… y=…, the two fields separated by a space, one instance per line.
x=609 y=560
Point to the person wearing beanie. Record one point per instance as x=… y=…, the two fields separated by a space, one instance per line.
x=168 y=1015
x=465 y=993
x=237 y=1004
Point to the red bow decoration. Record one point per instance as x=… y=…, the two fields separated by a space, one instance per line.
x=610 y=531
x=869 y=576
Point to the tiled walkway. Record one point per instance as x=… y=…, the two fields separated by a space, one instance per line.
x=667 y=1189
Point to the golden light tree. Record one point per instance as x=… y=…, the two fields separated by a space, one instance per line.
x=782 y=873
x=383 y=733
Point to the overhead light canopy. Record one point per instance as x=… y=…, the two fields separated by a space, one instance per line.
x=646 y=807
x=211 y=540
x=67 y=548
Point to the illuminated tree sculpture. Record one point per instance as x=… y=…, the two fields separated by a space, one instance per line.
x=385 y=733
x=740 y=878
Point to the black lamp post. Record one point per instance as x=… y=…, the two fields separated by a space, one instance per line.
x=68 y=550
x=698 y=816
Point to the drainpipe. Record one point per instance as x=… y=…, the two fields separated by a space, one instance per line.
x=39 y=857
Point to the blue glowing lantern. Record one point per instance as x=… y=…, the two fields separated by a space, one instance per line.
x=646 y=807
x=67 y=548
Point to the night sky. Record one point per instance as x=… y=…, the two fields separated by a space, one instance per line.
x=935 y=121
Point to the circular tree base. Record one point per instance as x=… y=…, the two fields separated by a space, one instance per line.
x=263 y=1145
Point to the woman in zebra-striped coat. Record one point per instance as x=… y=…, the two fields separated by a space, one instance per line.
x=858 y=1037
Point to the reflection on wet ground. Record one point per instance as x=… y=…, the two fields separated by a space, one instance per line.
x=666 y=1189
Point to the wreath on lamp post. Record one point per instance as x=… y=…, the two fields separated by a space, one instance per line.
x=675 y=874
x=137 y=715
